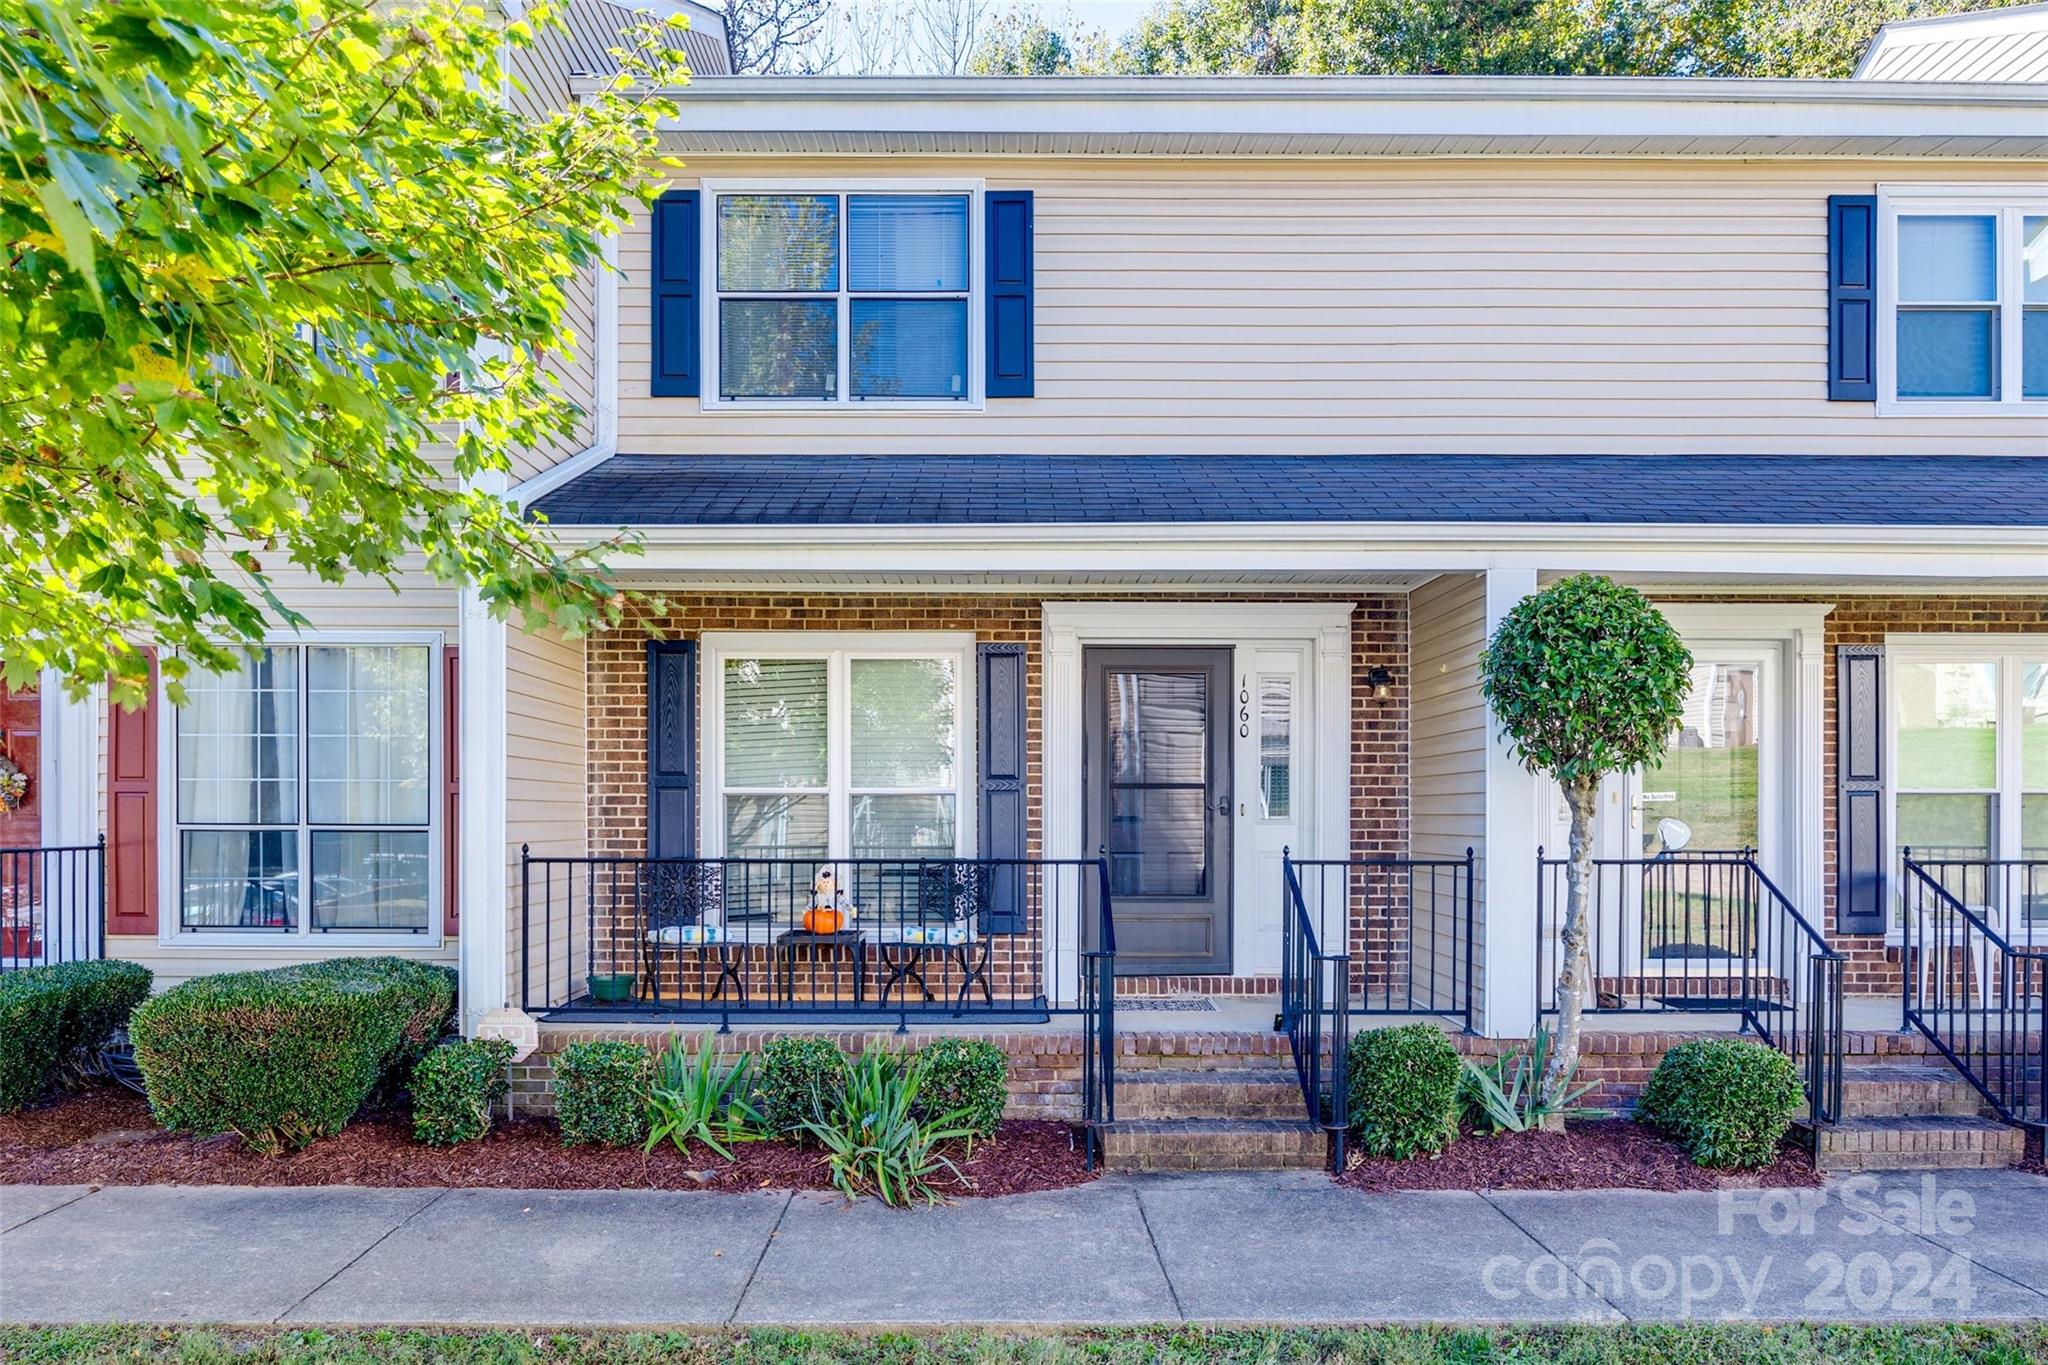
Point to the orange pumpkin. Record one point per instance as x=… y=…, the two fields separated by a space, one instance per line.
x=823 y=921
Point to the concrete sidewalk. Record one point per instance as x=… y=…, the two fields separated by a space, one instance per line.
x=1282 y=1248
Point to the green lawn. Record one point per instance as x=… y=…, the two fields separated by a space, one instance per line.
x=1716 y=795
x=1691 y=1345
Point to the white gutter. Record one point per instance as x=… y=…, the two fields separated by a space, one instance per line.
x=2003 y=553
x=1308 y=115
x=1500 y=92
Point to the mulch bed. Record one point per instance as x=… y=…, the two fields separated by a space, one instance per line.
x=106 y=1137
x=1597 y=1154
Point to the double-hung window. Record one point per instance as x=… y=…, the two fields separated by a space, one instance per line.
x=844 y=297
x=1970 y=751
x=834 y=752
x=1964 y=291
x=302 y=801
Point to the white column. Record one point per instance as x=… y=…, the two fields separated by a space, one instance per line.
x=1060 y=814
x=482 y=856
x=1514 y=812
x=68 y=776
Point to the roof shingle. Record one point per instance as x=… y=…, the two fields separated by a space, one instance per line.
x=954 y=490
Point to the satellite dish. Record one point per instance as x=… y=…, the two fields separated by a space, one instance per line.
x=1673 y=834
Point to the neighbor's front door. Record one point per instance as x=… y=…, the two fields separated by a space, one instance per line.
x=1158 y=768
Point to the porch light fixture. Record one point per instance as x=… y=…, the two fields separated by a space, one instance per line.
x=1381 y=680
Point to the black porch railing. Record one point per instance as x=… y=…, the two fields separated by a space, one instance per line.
x=1974 y=970
x=53 y=905
x=1405 y=924
x=875 y=939
x=1702 y=933
x=888 y=940
x=1367 y=936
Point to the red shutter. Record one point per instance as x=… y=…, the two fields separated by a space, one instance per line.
x=451 y=789
x=131 y=815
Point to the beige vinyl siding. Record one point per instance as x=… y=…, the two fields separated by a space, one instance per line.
x=1447 y=740
x=546 y=789
x=1303 y=306
x=540 y=87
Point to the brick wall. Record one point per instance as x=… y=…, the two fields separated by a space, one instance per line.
x=618 y=702
x=1858 y=620
x=1045 y=1064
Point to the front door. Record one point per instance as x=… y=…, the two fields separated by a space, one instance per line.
x=1157 y=764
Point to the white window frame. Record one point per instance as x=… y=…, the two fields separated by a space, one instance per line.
x=2010 y=205
x=302 y=939
x=2011 y=653
x=842 y=401
x=838 y=649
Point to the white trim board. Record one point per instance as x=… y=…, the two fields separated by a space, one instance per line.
x=2012 y=554
x=1321 y=629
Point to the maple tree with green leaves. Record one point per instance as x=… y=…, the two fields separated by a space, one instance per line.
x=1813 y=38
x=281 y=277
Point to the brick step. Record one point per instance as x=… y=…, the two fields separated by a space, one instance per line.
x=1212 y=1145
x=1135 y=1064
x=1175 y=1093
x=1918 y=1142
x=1901 y=1089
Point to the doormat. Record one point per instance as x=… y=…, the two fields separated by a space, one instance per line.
x=1166 y=1003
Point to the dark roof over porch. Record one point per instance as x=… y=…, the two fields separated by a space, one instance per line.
x=953 y=490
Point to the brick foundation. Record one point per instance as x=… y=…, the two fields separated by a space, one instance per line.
x=1045 y=1067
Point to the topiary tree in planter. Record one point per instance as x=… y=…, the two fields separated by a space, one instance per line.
x=1586 y=679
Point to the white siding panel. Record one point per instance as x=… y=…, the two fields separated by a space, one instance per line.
x=1355 y=306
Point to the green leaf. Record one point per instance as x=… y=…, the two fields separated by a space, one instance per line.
x=74 y=232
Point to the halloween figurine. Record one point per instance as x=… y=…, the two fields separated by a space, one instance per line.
x=825 y=915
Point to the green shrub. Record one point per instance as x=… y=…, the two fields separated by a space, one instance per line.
x=601 y=1093
x=456 y=1087
x=50 y=1015
x=970 y=1076
x=1729 y=1101
x=797 y=1078
x=285 y=1056
x=1404 y=1090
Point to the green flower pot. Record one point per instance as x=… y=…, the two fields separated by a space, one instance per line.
x=611 y=990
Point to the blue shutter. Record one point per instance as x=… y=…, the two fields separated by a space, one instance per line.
x=676 y=371
x=1859 y=790
x=1852 y=298
x=671 y=748
x=1002 y=812
x=1008 y=214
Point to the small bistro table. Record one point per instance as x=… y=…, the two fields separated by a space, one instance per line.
x=789 y=945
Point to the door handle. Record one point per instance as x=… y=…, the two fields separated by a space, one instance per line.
x=1223 y=805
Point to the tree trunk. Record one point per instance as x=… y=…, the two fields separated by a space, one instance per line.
x=1574 y=973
